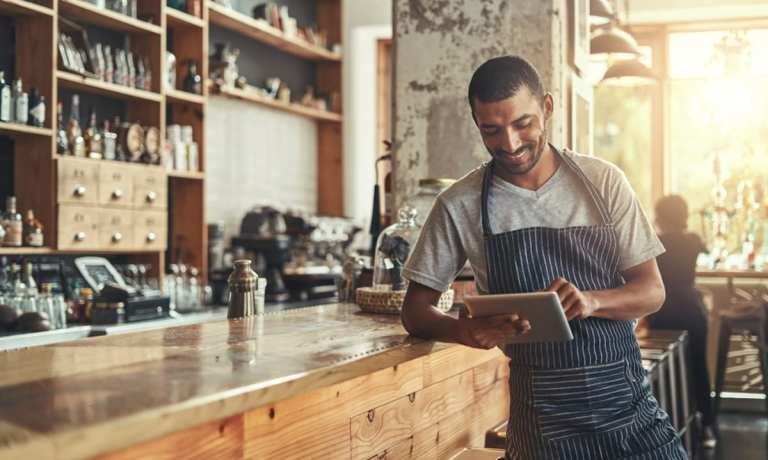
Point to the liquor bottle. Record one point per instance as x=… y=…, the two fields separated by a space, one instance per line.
x=140 y=74
x=193 y=83
x=12 y=224
x=62 y=144
x=109 y=65
x=119 y=151
x=131 y=79
x=36 y=108
x=93 y=139
x=74 y=132
x=29 y=280
x=5 y=99
x=33 y=231
x=20 y=103
x=109 y=142
x=147 y=75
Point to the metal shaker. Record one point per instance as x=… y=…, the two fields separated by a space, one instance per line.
x=243 y=287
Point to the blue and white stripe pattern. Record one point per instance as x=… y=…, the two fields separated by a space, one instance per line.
x=588 y=398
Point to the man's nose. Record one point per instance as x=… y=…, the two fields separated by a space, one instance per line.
x=511 y=141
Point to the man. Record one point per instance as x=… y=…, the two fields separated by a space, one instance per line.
x=537 y=218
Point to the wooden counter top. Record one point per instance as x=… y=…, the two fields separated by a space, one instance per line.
x=87 y=397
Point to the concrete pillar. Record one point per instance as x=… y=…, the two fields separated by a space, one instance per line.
x=438 y=44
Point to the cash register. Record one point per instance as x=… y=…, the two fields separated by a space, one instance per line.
x=115 y=301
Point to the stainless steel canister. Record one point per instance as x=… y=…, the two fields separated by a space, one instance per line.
x=243 y=286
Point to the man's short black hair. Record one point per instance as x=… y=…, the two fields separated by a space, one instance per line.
x=502 y=77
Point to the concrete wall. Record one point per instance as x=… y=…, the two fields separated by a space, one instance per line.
x=438 y=44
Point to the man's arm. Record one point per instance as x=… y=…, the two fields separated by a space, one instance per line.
x=422 y=320
x=642 y=295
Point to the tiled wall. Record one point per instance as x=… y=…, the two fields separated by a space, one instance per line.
x=257 y=156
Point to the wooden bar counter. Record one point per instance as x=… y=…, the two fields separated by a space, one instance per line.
x=322 y=382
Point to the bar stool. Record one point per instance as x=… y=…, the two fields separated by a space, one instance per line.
x=748 y=321
x=479 y=453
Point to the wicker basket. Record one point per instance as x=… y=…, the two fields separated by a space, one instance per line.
x=390 y=302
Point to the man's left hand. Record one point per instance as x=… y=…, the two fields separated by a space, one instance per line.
x=576 y=304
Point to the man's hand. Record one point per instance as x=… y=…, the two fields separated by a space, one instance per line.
x=576 y=304
x=491 y=331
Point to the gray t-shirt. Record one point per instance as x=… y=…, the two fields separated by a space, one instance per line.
x=453 y=231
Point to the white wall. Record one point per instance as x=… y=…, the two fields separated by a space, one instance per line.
x=365 y=22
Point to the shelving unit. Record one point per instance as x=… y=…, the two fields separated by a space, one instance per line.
x=176 y=18
x=86 y=12
x=92 y=85
x=23 y=8
x=298 y=109
x=16 y=130
x=182 y=97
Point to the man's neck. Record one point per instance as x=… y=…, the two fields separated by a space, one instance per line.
x=544 y=169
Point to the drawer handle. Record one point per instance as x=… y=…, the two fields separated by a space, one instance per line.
x=80 y=236
x=151 y=197
x=151 y=237
x=117 y=194
x=80 y=190
x=116 y=237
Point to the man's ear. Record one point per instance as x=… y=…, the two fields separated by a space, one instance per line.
x=548 y=105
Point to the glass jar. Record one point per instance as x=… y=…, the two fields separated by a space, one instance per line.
x=426 y=195
x=392 y=250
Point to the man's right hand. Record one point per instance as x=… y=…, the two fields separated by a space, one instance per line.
x=491 y=331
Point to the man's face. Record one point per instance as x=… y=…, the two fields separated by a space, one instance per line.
x=513 y=129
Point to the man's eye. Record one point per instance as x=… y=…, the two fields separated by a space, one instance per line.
x=523 y=125
x=490 y=132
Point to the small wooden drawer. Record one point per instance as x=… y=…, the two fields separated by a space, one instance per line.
x=78 y=227
x=78 y=181
x=151 y=229
x=116 y=184
x=116 y=229
x=150 y=189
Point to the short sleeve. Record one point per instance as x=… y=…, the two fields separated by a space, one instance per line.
x=439 y=255
x=637 y=239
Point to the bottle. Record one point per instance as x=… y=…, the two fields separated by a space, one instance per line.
x=20 y=103
x=147 y=75
x=131 y=70
x=36 y=108
x=109 y=142
x=5 y=99
x=74 y=132
x=93 y=139
x=29 y=280
x=12 y=224
x=193 y=83
x=140 y=74
x=119 y=151
x=109 y=65
x=45 y=304
x=62 y=144
x=33 y=231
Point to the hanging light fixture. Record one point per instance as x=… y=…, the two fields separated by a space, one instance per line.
x=600 y=12
x=613 y=41
x=629 y=72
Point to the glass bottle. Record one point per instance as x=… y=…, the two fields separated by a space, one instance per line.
x=33 y=231
x=5 y=99
x=60 y=311
x=83 y=306
x=109 y=65
x=130 y=79
x=36 y=109
x=147 y=75
x=392 y=250
x=20 y=103
x=193 y=83
x=29 y=280
x=109 y=142
x=93 y=139
x=62 y=144
x=74 y=132
x=45 y=305
x=13 y=224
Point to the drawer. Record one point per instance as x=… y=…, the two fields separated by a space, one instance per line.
x=116 y=184
x=150 y=189
x=150 y=229
x=115 y=229
x=78 y=227
x=78 y=181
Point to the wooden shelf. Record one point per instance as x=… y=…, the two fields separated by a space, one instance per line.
x=24 y=251
x=297 y=109
x=93 y=85
x=197 y=175
x=181 y=97
x=16 y=130
x=23 y=8
x=176 y=18
x=52 y=251
x=259 y=30
x=84 y=11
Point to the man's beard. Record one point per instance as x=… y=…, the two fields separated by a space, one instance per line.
x=505 y=158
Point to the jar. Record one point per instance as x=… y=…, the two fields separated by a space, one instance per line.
x=393 y=247
x=426 y=195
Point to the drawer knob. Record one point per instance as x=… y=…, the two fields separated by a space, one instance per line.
x=151 y=237
x=117 y=194
x=151 y=197
x=80 y=236
x=116 y=237
x=80 y=190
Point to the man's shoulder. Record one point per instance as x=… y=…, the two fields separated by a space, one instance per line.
x=598 y=170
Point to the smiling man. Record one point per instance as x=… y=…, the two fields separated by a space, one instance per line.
x=536 y=218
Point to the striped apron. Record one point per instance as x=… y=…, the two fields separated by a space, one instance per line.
x=588 y=398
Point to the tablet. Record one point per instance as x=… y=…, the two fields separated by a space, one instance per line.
x=541 y=309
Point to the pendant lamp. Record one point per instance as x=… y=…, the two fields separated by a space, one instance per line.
x=629 y=72
x=611 y=40
x=600 y=12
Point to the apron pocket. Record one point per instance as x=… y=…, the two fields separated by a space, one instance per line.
x=582 y=401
